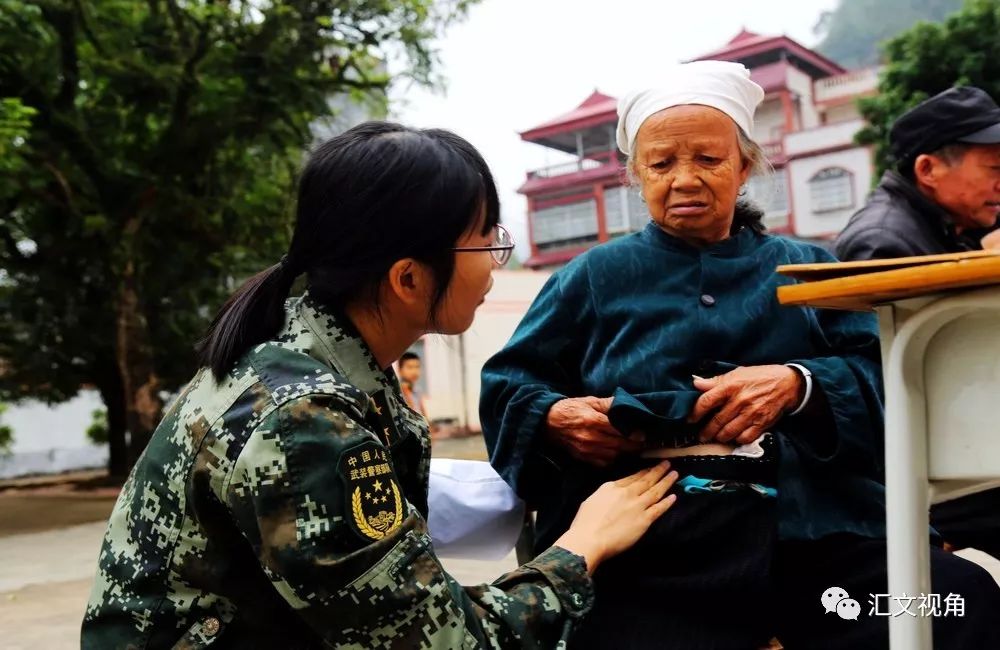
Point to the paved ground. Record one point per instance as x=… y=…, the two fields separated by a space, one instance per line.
x=47 y=556
x=50 y=535
x=45 y=580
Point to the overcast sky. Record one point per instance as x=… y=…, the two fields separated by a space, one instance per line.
x=515 y=64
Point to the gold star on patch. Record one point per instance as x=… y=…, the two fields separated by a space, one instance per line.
x=378 y=486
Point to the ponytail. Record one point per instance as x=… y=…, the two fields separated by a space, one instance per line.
x=367 y=198
x=252 y=315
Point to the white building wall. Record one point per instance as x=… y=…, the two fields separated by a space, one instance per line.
x=769 y=121
x=454 y=363
x=801 y=85
x=50 y=439
x=842 y=113
x=809 y=223
x=822 y=138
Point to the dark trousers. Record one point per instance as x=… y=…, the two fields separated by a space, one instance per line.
x=972 y=521
x=711 y=576
x=804 y=570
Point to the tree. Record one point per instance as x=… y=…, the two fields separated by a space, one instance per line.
x=852 y=33
x=149 y=153
x=6 y=436
x=930 y=58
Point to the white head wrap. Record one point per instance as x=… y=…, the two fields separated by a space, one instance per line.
x=719 y=84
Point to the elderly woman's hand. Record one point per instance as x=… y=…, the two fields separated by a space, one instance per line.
x=580 y=425
x=747 y=402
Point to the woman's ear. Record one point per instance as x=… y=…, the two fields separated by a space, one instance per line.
x=410 y=282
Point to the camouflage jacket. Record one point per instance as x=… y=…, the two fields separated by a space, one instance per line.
x=285 y=507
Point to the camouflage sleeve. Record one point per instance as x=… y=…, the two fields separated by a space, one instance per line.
x=317 y=497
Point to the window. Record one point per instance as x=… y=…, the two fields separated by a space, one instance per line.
x=615 y=209
x=771 y=194
x=624 y=210
x=831 y=189
x=570 y=221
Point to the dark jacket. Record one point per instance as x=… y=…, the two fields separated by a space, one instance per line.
x=613 y=323
x=899 y=221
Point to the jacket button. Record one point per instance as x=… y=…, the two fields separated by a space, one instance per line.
x=578 y=600
x=707 y=300
x=210 y=627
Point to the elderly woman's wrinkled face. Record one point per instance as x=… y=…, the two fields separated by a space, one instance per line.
x=688 y=161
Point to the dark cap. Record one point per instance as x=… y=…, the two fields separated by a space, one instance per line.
x=965 y=114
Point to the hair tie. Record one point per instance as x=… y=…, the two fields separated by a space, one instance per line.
x=287 y=265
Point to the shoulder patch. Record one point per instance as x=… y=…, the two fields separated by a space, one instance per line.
x=375 y=505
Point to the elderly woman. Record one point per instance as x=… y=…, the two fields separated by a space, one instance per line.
x=670 y=343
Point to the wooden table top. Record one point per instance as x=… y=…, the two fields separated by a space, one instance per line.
x=860 y=286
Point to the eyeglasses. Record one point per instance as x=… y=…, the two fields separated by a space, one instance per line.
x=501 y=250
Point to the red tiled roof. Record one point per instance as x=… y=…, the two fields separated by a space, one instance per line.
x=598 y=105
x=748 y=44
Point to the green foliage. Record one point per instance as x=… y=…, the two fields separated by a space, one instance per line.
x=852 y=33
x=97 y=432
x=6 y=436
x=159 y=140
x=928 y=59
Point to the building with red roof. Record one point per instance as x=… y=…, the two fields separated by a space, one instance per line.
x=806 y=125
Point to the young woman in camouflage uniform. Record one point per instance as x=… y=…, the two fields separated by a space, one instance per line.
x=282 y=500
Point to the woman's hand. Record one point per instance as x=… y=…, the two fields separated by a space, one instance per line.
x=618 y=513
x=580 y=425
x=747 y=402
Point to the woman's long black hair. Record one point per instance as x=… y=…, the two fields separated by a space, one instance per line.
x=367 y=198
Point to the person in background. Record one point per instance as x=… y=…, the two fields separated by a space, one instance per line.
x=945 y=187
x=409 y=376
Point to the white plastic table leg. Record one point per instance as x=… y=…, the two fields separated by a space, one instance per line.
x=906 y=444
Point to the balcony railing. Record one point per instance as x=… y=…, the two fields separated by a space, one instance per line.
x=592 y=159
x=822 y=138
x=849 y=84
x=773 y=150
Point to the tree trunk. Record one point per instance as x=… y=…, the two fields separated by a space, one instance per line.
x=141 y=386
x=113 y=396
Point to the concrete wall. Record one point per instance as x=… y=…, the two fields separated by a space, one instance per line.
x=801 y=84
x=49 y=439
x=769 y=121
x=822 y=138
x=808 y=223
x=453 y=363
x=842 y=113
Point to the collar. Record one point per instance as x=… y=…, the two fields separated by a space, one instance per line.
x=936 y=216
x=733 y=246
x=336 y=342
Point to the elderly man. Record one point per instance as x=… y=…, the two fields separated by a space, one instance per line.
x=946 y=187
x=946 y=184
